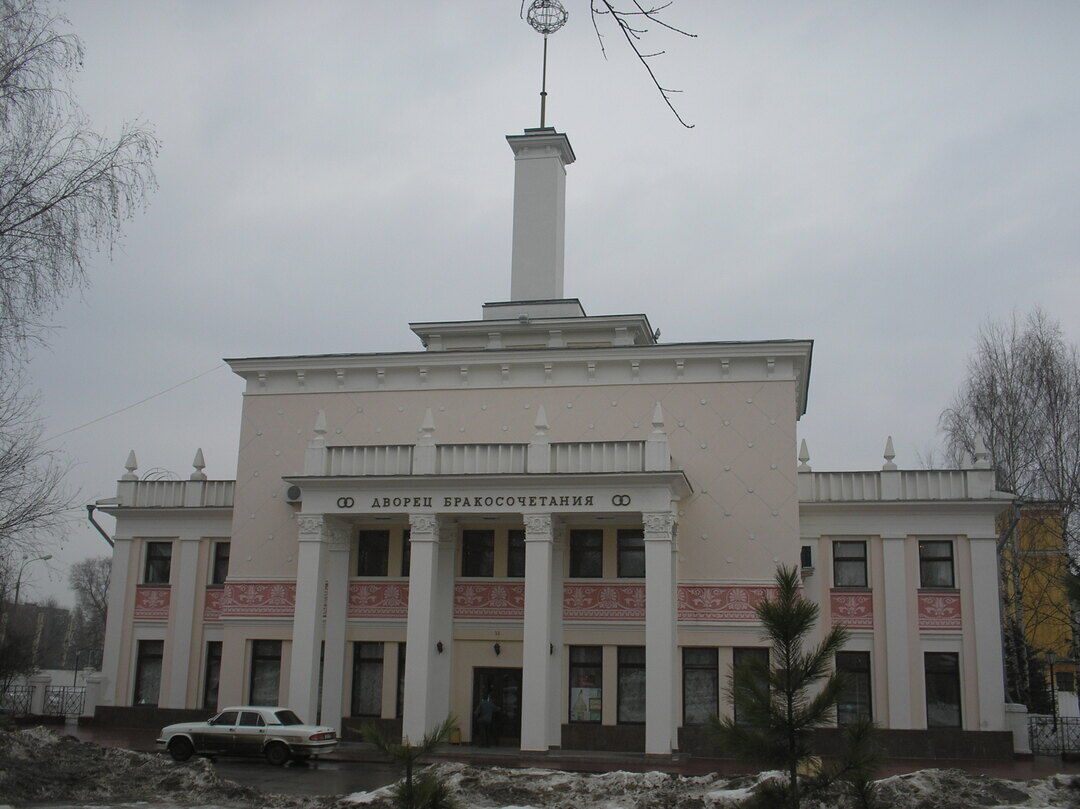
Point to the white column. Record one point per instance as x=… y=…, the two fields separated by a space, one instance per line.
x=307 y=617
x=114 y=620
x=182 y=619
x=337 y=604
x=986 y=623
x=427 y=670
x=537 y=673
x=659 y=639
x=558 y=708
x=897 y=630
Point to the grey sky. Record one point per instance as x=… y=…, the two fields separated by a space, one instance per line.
x=878 y=177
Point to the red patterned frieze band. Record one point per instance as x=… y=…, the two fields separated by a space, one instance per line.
x=378 y=599
x=720 y=602
x=853 y=610
x=939 y=610
x=263 y=599
x=152 y=603
x=603 y=602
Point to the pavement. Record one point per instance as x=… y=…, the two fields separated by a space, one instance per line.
x=340 y=772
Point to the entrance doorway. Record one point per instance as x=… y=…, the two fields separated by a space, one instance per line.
x=504 y=685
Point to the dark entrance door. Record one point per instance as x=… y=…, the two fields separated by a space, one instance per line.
x=504 y=685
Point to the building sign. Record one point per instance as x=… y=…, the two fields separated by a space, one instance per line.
x=459 y=502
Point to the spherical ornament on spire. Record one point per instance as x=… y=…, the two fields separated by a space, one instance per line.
x=546 y=16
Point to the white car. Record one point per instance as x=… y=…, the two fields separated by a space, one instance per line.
x=276 y=733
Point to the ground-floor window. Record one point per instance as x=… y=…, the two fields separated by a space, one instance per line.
x=367 y=675
x=586 y=678
x=399 y=710
x=942 y=689
x=630 y=696
x=854 y=703
x=212 y=675
x=265 y=672
x=757 y=658
x=148 y=671
x=701 y=684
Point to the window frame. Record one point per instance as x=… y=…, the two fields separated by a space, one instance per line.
x=628 y=668
x=256 y=644
x=714 y=669
x=211 y=656
x=473 y=552
x=150 y=560
x=406 y=553
x=852 y=654
x=843 y=562
x=956 y=682
x=141 y=658
x=576 y=552
x=763 y=652
x=379 y=561
x=216 y=559
x=575 y=666
x=359 y=658
x=925 y=562
x=624 y=553
x=515 y=548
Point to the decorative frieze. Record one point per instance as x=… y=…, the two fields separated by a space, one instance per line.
x=152 y=603
x=603 y=602
x=852 y=610
x=939 y=610
x=212 y=603
x=271 y=599
x=375 y=599
x=720 y=602
x=502 y=600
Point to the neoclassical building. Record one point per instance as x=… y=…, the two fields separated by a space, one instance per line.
x=551 y=507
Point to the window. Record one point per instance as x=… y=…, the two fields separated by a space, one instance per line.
x=212 y=676
x=399 y=709
x=287 y=718
x=406 y=552
x=936 y=563
x=701 y=684
x=265 y=672
x=630 y=696
x=251 y=719
x=148 y=671
x=372 y=553
x=587 y=554
x=757 y=658
x=158 y=563
x=220 y=569
x=478 y=553
x=854 y=703
x=367 y=679
x=631 y=553
x=849 y=564
x=515 y=555
x=225 y=718
x=942 y=689
x=586 y=678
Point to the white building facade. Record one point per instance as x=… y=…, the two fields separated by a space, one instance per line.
x=553 y=508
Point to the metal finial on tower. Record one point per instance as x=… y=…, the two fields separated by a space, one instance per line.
x=546 y=17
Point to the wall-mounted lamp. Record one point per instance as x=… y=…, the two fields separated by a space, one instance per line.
x=498 y=650
x=439 y=647
x=551 y=648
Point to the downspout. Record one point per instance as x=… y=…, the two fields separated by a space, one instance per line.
x=90 y=516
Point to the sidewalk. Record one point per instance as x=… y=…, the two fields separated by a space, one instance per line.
x=591 y=761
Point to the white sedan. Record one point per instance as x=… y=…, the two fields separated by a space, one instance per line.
x=276 y=733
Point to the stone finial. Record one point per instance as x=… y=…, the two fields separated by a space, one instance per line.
x=320 y=423
x=427 y=426
x=890 y=453
x=541 y=422
x=804 y=457
x=982 y=454
x=658 y=419
x=130 y=465
x=200 y=464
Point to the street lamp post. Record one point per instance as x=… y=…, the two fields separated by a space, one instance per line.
x=1051 y=660
x=10 y=614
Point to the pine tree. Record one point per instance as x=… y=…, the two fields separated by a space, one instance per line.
x=423 y=790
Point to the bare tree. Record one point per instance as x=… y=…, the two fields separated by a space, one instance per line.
x=90 y=581
x=1021 y=399
x=65 y=190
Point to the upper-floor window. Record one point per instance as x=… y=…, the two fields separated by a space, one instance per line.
x=406 y=553
x=936 y=563
x=631 y=553
x=158 y=563
x=515 y=555
x=587 y=553
x=478 y=553
x=220 y=569
x=849 y=563
x=372 y=553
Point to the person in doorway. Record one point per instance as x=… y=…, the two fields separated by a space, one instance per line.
x=485 y=720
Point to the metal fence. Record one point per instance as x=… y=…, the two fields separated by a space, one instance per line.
x=64 y=700
x=17 y=699
x=1052 y=736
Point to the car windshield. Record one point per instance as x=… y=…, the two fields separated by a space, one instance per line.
x=287 y=718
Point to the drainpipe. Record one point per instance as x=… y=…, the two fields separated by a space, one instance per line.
x=90 y=516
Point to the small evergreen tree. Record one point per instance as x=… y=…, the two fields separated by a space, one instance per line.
x=423 y=790
x=780 y=705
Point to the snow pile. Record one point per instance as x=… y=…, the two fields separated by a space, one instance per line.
x=955 y=789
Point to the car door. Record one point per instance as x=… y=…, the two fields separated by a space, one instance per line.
x=250 y=734
x=217 y=735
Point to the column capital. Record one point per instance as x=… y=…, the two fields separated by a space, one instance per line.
x=310 y=527
x=423 y=527
x=659 y=524
x=539 y=527
x=337 y=535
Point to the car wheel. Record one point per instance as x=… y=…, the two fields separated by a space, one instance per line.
x=276 y=753
x=181 y=749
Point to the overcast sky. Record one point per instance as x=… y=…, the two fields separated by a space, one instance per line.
x=880 y=177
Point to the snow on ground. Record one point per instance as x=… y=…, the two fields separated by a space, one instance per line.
x=42 y=768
